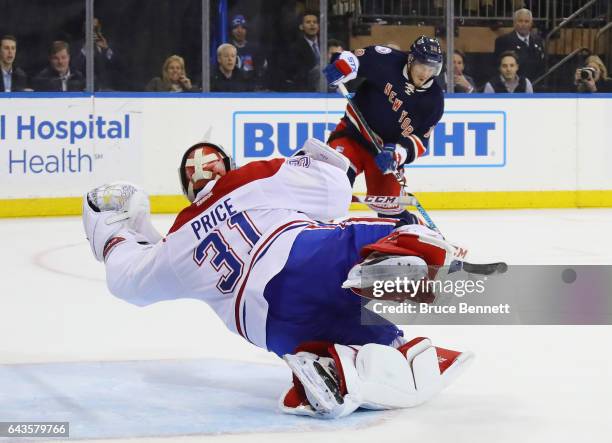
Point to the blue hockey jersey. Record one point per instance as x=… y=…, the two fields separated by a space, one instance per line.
x=393 y=108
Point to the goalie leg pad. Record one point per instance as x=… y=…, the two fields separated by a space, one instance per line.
x=372 y=376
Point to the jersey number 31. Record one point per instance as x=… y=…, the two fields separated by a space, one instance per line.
x=222 y=257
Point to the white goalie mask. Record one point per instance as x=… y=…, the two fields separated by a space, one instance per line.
x=202 y=163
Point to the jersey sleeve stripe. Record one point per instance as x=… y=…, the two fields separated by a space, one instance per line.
x=418 y=144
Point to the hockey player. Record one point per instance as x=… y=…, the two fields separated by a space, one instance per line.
x=399 y=100
x=255 y=246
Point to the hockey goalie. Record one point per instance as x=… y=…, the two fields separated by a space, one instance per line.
x=257 y=244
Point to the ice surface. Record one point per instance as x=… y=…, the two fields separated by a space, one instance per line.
x=70 y=351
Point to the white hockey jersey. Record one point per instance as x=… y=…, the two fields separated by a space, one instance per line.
x=234 y=238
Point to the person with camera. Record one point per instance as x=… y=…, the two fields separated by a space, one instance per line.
x=593 y=77
x=108 y=68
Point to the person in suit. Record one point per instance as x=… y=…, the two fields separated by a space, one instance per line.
x=13 y=78
x=527 y=44
x=58 y=77
x=304 y=72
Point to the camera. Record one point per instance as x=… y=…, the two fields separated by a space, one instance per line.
x=586 y=74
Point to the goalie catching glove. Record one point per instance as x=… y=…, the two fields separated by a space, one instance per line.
x=115 y=207
x=332 y=380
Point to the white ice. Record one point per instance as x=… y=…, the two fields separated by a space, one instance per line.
x=70 y=351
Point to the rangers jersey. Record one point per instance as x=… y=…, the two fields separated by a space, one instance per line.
x=391 y=105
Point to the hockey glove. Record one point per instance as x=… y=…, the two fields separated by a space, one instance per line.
x=391 y=158
x=110 y=208
x=342 y=68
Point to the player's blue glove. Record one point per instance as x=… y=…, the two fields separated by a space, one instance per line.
x=343 y=68
x=390 y=158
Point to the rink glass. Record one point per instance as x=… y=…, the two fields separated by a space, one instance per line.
x=142 y=34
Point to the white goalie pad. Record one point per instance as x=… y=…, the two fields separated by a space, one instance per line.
x=318 y=150
x=371 y=376
x=389 y=378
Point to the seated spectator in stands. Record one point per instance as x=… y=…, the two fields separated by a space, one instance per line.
x=58 y=77
x=593 y=77
x=304 y=71
x=13 y=78
x=226 y=76
x=333 y=46
x=173 y=79
x=106 y=63
x=508 y=80
x=463 y=83
x=251 y=60
x=527 y=44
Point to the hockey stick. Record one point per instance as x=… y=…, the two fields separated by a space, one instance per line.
x=478 y=268
x=380 y=203
x=388 y=202
x=398 y=176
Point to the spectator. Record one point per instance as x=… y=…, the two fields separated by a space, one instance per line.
x=463 y=83
x=226 y=76
x=527 y=44
x=305 y=71
x=58 y=76
x=508 y=80
x=593 y=77
x=333 y=46
x=106 y=62
x=251 y=61
x=13 y=78
x=173 y=79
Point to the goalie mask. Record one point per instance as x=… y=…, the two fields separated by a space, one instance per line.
x=202 y=163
